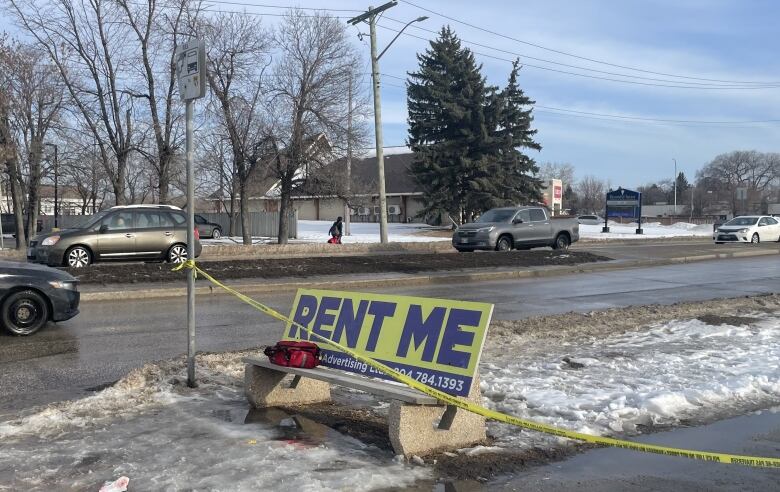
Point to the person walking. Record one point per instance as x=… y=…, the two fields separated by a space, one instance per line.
x=336 y=231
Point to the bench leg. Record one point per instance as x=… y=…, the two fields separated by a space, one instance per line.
x=266 y=388
x=422 y=429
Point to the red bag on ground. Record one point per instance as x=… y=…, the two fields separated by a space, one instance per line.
x=305 y=355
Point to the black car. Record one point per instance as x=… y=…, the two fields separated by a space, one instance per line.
x=32 y=295
x=206 y=228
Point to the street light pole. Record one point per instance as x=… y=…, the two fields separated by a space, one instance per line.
x=675 y=185
x=56 y=185
x=370 y=16
x=56 y=188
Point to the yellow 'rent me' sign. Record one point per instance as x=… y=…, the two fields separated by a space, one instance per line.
x=436 y=341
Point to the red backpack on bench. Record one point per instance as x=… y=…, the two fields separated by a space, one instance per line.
x=305 y=355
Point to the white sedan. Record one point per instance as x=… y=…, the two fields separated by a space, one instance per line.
x=748 y=229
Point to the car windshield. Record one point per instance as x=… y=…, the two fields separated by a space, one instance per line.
x=88 y=222
x=497 y=215
x=742 y=221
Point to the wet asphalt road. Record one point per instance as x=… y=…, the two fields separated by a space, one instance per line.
x=109 y=338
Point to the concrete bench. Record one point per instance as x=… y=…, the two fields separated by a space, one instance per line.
x=417 y=423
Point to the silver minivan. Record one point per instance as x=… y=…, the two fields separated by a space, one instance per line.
x=131 y=232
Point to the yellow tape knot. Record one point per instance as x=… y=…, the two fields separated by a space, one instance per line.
x=185 y=264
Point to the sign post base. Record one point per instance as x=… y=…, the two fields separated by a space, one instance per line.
x=605 y=229
x=639 y=230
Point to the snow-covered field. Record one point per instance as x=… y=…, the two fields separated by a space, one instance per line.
x=163 y=436
x=682 y=370
x=364 y=232
x=650 y=230
x=314 y=231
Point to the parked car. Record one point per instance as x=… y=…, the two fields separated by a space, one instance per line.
x=32 y=295
x=8 y=222
x=132 y=232
x=748 y=229
x=590 y=219
x=503 y=229
x=207 y=229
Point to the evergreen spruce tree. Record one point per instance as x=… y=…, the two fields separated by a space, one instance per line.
x=515 y=172
x=467 y=136
x=447 y=99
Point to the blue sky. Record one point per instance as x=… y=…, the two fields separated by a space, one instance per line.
x=709 y=39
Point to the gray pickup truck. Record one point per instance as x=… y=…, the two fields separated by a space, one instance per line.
x=503 y=229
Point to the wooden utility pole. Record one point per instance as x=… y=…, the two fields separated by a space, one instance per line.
x=347 y=210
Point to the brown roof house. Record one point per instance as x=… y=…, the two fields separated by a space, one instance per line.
x=328 y=192
x=264 y=185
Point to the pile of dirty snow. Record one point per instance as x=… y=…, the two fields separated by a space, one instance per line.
x=151 y=428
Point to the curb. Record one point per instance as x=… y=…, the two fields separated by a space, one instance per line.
x=416 y=280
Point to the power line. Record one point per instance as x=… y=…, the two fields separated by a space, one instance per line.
x=633 y=82
x=613 y=117
x=560 y=52
x=655 y=120
x=285 y=7
x=524 y=56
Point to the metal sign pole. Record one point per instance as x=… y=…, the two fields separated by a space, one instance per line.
x=190 y=251
x=191 y=72
x=639 y=220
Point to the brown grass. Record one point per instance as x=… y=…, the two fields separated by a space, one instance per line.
x=320 y=249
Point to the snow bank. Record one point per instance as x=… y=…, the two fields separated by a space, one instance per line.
x=651 y=230
x=364 y=232
x=166 y=437
x=316 y=231
x=676 y=371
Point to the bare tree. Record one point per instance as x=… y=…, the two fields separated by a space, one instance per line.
x=37 y=95
x=8 y=148
x=157 y=26
x=238 y=53
x=309 y=91
x=86 y=41
x=557 y=170
x=753 y=170
x=591 y=191
x=216 y=171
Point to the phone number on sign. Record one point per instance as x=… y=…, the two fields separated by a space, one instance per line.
x=434 y=380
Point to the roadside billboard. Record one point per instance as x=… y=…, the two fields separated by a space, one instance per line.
x=436 y=341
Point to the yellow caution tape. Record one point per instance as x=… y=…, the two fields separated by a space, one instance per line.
x=492 y=414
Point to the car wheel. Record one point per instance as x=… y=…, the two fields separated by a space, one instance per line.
x=216 y=234
x=504 y=243
x=177 y=254
x=755 y=239
x=78 y=257
x=561 y=242
x=25 y=312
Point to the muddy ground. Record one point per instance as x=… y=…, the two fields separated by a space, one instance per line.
x=341 y=265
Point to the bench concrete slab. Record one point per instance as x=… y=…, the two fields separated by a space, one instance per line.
x=417 y=423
